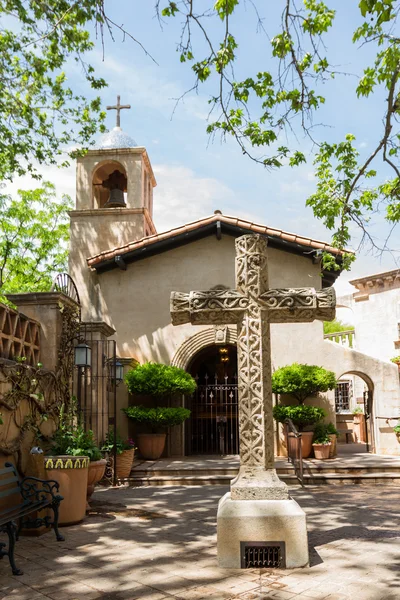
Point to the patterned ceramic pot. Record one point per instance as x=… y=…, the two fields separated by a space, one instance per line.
x=71 y=472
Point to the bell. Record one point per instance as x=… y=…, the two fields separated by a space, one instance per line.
x=116 y=199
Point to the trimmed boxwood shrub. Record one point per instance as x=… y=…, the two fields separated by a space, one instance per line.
x=156 y=379
x=302 y=381
x=301 y=415
x=159 y=417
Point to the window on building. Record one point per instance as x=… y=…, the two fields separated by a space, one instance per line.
x=343 y=395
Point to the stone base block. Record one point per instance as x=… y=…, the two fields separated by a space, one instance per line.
x=261 y=521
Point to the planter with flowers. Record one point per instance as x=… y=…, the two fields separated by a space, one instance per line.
x=125 y=450
x=72 y=452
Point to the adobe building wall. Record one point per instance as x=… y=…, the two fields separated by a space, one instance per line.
x=136 y=304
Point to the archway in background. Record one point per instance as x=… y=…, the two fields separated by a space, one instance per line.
x=213 y=427
x=354 y=392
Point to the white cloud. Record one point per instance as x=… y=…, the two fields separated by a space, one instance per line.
x=63 y=178
x=181 y=196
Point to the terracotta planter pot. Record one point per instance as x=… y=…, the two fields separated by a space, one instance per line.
x=306 y=443
x=151 y=445
x=95 y=473
x=71 y=472
x=333 y=446
x=321 y=451
x=359 y=428
x=124 y=463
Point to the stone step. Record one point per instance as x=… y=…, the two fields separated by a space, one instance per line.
x=313 y=469
x=290 y=479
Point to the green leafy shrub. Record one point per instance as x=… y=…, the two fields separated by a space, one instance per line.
x=322 y=431
x=156 y=379
x=331 y=429
x=321 y=436
x=396 y=428
x=358 y=410
x=159 y=417
x=120 y=443
x=301 y=415
x=71 y=439
x=336 y=326
x=395 y=359
x=302 y=381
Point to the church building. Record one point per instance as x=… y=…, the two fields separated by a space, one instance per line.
x=125 y=272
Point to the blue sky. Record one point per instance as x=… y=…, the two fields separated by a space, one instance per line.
x=196 y=175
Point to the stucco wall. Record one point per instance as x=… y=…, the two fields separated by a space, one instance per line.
x=136 y=303
x=376 y=321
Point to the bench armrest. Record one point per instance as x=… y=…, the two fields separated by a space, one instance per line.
x=34 y=489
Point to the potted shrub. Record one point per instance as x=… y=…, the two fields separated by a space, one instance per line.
x=359 y=424
x=302 y=381
x=396 y=429
x=160 y=382
x=68 y=464
x=125 y=453
x=333 y=436
x=321 y=443
x=151 y=445
x=396 y=361
x=302 y=416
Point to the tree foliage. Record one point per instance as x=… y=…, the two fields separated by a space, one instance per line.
x=41 y=115
x=34 y=234
x=302 y=416
x=336 y=326
x=265 y=107
x=156 y=379
x=302 y=381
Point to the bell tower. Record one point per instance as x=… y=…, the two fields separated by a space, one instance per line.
x=114 y=202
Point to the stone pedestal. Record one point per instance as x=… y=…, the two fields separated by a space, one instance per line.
x=261 y=521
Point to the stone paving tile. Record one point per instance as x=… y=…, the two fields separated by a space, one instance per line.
x=354 y=536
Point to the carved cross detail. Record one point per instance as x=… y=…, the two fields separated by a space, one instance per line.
x=118 y=107
x=252 y=306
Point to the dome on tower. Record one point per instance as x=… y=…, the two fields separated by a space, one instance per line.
x=116 y=138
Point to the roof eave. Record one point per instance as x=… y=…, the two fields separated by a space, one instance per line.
x=217 y=228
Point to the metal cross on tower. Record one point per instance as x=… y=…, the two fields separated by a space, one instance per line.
x=118 y=107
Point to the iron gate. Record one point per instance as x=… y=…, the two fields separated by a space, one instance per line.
x=213 y=427
x=95 y=388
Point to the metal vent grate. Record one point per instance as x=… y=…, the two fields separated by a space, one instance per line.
x=262 y=555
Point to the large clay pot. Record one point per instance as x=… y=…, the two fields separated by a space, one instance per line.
x=124 y=463
x=333 y=446
x=71 y=472
x=359 y=427
x=306 y=443
x=151 y=445
x=95 y=473
x=321 y=451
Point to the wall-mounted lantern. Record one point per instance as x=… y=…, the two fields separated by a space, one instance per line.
x=83 y=356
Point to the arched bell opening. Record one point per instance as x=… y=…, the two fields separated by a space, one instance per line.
x=109 y=185
x=354 y=409
x=213 y=427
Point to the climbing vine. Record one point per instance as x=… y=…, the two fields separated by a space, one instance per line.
x=42 y=391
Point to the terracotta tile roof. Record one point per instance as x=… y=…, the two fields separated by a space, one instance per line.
x=233 y=221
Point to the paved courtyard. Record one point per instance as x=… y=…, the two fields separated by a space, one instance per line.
x=158 y=543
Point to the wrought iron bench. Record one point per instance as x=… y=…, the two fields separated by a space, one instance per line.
x=27 y=496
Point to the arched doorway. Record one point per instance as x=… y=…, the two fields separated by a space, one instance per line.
x=213 y=427
x=354 y=410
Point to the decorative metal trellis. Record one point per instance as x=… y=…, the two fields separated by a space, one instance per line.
x=66 y=285
x=214 y=424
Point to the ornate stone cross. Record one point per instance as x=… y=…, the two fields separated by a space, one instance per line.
x=252 y=306
x=118 y=107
